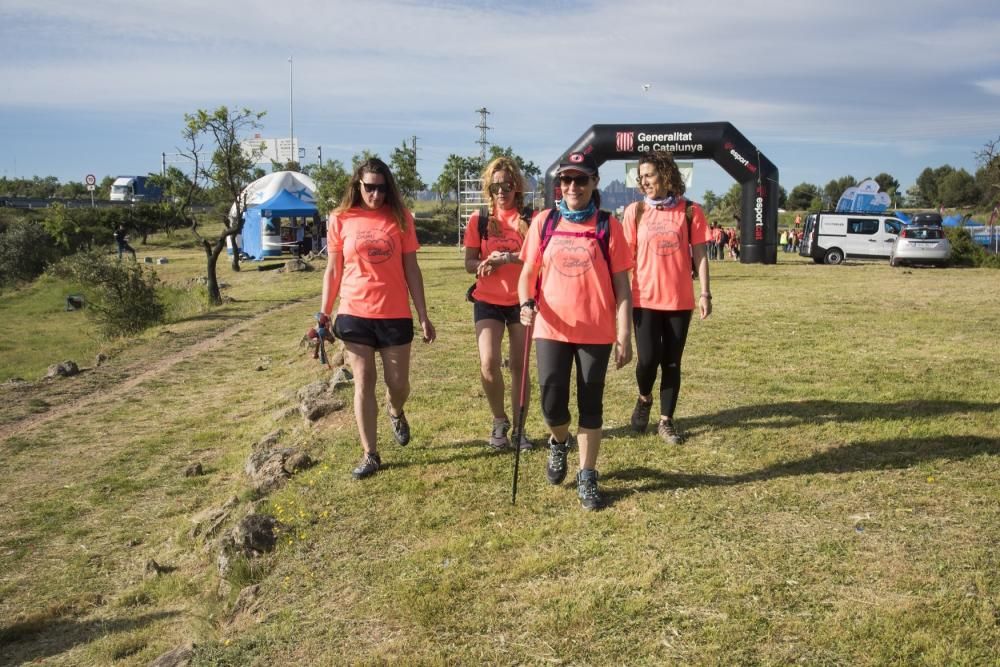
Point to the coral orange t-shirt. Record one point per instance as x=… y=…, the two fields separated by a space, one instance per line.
x=576 y=302
x=500 y=287
x=662 y=276
x=373 y=284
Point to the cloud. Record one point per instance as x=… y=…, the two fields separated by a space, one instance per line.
x=991 y=86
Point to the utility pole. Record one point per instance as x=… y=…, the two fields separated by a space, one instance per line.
x=291 y=115
x=163 y=165
x=319 y=149
x=483 y=143
x=413 y=143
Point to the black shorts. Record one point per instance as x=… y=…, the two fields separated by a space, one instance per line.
x=374 y=332
x=488 y=311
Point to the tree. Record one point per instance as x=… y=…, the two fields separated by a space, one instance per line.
x=782 y=196
x=988 y=174
x=709 y=201
x=887 y=184
x=230 y=171
x=404 y=170
x=331 y=183
x=363 y=156
x=928 y=183
x=104 y=188
x=832 y=190
x=472 y=167
x=958 y=189
x=802 y=195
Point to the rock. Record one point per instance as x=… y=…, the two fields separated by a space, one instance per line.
x=284 y=413
x=254 y=534
x=153 y=568
x=317 y=409
x=207 y=522
x=149 y=260
x=296 y=265
x=18 y=381
x=194 y=470
x=63 y=369
x=100 y=359
x=342 y=378
x=162 y=260
x=269 y=440
x=178 y=657
x=297 y=462
x=246 y=601
x=314 y=390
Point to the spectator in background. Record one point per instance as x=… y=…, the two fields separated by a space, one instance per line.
x=121 y=238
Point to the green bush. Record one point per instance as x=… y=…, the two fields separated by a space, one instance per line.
x=966 y=252
x=121 y=295
x=26 y=249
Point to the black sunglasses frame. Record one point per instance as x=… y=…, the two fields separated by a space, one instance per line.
x=582 y=181
x=374 y=187
x=501 y=188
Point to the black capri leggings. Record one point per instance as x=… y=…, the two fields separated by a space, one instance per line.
x=555 y=361
x=659 y=340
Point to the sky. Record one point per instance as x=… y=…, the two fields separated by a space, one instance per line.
x=822 y=89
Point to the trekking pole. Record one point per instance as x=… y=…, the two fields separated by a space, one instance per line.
x=521 y=411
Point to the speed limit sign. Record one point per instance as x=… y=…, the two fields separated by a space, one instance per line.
x=91 y=179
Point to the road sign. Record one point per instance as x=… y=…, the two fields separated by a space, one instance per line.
x=90 y=180
x=91 y=187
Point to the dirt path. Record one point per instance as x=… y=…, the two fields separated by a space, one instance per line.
x=150 y=371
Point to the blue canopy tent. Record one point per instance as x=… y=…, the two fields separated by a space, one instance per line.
x=262 y=227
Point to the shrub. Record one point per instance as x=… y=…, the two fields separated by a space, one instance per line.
x=26 y=249
x=122 y=295
x=966 y=252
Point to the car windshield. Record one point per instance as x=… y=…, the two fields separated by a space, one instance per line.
x=923 y=233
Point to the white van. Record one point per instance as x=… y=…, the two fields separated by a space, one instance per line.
x=830 y=237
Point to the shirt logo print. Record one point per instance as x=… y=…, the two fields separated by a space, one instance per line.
x=374 y=246
x=571 y=258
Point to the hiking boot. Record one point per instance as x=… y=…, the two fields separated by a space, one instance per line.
x=400 y=428
x=368 y=466
x=640 y=415
x=665 y=429
x=555 y=469
x=586 y=488
x=522 y=442
x=498 y=438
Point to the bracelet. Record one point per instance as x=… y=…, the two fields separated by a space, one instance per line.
x=530 y=303
x=707 y=295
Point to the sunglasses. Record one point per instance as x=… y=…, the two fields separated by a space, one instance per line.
x=501 y=188
x=374 y=187
x=581 y=181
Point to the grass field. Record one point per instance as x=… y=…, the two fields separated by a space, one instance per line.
x=836 y=501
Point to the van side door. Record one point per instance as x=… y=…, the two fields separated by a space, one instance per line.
x=891 y=227
x=864 y=238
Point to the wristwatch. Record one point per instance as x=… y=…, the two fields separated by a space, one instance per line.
x=530 y=303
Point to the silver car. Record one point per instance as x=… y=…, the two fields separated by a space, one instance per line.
x=920 y=244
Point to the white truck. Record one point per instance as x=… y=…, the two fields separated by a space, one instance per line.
x=134 y=189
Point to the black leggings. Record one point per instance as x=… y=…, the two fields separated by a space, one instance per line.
x=555 y=361
x=659 y=340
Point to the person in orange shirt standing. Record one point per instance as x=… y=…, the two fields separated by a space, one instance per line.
x=583 y=305
x=664 y=242
x=496 y=262
x=372 y=264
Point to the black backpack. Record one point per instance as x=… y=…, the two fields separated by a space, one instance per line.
x=484 y=233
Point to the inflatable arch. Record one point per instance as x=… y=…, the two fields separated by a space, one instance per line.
x=718 y=141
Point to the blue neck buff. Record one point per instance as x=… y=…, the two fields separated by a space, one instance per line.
x=666 y=202
x=576 y=216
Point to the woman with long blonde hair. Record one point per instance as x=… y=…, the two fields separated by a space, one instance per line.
x=492 y=248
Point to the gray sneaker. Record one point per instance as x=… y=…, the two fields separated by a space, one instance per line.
x=368 y=466
x=640 y=415
x=498 y=438
x=586 y=488
x=400 y=428
x=555 y=468
x=668 y=432
x=521 y=441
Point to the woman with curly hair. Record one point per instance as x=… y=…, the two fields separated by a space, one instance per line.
x=372 y=264
x=665 y=233
x=493 y=240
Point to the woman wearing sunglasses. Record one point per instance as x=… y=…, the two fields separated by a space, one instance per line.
x=583 y=305
x=372 y=265
x=491 y=252
x=665 y=232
